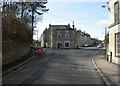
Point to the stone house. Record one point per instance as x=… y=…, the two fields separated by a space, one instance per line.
x=83 y=39
x=42 y=40
x=63 y=36
x=87 y=40
x=114 y=31
x=79 y=39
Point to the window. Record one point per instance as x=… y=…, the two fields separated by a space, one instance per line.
x=66 y=31
x=66 y=36
x=67 y=44
x=117 y=43
x=58 y=36
x=116 y=12
x=58 y=31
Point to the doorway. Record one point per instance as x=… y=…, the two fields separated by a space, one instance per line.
x=58 y=45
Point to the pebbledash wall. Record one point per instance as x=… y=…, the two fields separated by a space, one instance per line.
x=14 y=51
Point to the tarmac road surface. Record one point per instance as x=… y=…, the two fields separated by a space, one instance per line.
x=59 y=66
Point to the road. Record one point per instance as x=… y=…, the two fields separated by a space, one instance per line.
x=64 y=66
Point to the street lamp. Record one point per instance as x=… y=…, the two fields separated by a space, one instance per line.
x=106 y=6
x=105 y=28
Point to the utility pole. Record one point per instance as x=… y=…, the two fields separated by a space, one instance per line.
x=105 y=37
x=32 y=25
x=105 y=31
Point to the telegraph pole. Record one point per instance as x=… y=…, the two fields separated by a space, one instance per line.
x=32 y=25
x=105 y=31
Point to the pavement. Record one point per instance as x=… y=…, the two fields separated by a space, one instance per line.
x=109 y=71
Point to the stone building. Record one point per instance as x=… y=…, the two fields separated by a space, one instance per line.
x=63 y=36
x=83 y=39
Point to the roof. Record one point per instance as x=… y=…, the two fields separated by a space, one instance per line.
x=59 y=27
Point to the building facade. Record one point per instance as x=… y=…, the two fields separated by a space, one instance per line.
x=79 y=39
x=63 y=36
x=114 y=31
x=83 y=39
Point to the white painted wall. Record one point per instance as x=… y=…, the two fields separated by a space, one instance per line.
x=42 y=40
x=112 y=31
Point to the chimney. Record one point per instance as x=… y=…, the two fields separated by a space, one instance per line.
x=69 y=25
x=73 y=25
x=49 y=25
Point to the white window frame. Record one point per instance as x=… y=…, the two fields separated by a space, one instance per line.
x=66 y=36
x=117 y=43
x=67 y=42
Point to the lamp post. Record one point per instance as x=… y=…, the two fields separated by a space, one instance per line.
x=105 y=28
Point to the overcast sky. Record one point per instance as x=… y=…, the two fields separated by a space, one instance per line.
x=87 y=16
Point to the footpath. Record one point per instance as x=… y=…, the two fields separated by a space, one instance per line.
x=109 y=71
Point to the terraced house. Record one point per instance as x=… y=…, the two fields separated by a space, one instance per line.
x=114 y=32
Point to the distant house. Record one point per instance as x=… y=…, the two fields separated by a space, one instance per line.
x=88 y=40
x=114 y=31
x=79 y=39
x=63 y=36
x=42 y=40
x=83 y=39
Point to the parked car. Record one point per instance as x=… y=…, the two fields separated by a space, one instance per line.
x=100 y=46
x=39 y=50
x=86 y=45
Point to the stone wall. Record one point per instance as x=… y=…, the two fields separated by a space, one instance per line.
x=14 y=51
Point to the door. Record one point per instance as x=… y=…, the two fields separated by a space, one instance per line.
x=58 y=45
